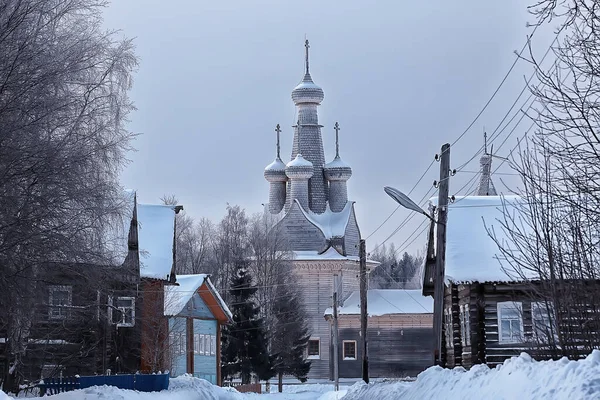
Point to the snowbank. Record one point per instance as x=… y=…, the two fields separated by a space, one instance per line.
x=180 y=388
x=518 y=378
x=3 y=396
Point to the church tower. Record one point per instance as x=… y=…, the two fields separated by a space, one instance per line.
x=307 y=97
x=309 y=202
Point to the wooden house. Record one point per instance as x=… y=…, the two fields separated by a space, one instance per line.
x=97 y=318
x=490 y=313
x=399 y=333
x=195 y=312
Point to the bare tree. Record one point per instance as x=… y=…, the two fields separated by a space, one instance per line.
x=63 y=108
x=551 y=235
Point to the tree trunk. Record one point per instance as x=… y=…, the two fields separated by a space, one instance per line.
x=280 y=382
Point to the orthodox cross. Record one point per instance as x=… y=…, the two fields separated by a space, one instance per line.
x=307 y=46
x=337 y=140
x=484 y=142
x=278 y=130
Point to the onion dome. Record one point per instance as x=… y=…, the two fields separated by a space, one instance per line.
x=337 y=170
x=299 y=168
x=307 y=91
x=275 y=172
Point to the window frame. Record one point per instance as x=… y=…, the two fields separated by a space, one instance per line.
x=549 y=327
x=63 y=309
x=213 y=345
x=111 y=308
x=207 y=345
x=448 y=328
x=465 y=324
x=313 y=356
x=518 y=306
x=346 y=358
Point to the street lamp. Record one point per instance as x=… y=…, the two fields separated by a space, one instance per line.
x=405 y=201
x=438 y=280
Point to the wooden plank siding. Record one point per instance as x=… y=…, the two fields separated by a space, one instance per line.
x=399 y=345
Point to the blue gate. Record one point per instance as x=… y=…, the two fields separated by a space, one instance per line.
x=139 y=382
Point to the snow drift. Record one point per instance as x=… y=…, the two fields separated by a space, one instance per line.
x=518 y=378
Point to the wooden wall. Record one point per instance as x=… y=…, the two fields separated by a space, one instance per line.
x=399 y=345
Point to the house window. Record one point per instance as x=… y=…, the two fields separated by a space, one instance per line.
x=349 y=350
x=543 y=327
x=196 y=343
x=510 y=322
x=60 y=301
x=448 y=328
x=201 y=344
x=314 y=348
x=122 y=311
x=465 y=325
x=213 y=345
x=207 y=345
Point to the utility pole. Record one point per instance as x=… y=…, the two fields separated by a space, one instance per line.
x=440 y=258
x=363 y=310
x=336 y=338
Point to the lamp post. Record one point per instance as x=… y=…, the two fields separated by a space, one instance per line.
x=438 y=283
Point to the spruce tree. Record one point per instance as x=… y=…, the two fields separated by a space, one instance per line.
x=244 y=343
x=290 y=336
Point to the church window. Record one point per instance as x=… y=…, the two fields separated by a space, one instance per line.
x=314 y=348
x=349 y=350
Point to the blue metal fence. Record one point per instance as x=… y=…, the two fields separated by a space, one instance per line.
x=139 y=382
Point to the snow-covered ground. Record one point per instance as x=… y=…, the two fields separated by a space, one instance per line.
x=519 y=378
x=188 y=388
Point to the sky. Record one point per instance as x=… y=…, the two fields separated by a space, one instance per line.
x=401 y=78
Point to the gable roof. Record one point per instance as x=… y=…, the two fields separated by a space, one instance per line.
x=156 y=232
x=386 y=302
x=332 y=224
x=177 y=296
x=471 y=254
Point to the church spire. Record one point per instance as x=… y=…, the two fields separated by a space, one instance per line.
x=337 y=139
x=278 y=130
x=307 y=46
x=486 y=186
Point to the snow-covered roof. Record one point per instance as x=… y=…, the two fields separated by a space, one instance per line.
x=299 y=161
x=337 y=163
x=276 y=165
x=471 y=254
x=330 y=254
x=177 y=296
x=156 y=229
x=387 y=301
x=332 y=224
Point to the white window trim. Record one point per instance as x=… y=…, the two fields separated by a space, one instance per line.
x=519 y=307
x=465 y=325
x=206 y=345
x=110 y=311
x=543 y=307
x=64 y=309
x=344 y=357
x=213 y=345
x=314 y=356
x=449 y=328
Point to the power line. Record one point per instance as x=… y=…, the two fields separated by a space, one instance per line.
x=398 y=206
x=472 y=122
x=517 y=58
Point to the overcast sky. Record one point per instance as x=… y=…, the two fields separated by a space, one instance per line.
x=402 y=78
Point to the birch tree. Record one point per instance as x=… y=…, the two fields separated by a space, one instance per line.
x=63 y=106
